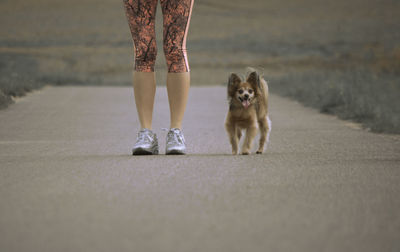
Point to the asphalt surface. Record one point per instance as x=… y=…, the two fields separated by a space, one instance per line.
x=69 y=183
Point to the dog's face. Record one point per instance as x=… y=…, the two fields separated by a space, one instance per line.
x=244 y=93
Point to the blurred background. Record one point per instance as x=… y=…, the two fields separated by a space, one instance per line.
x=341 y=57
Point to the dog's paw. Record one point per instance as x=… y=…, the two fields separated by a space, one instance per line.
x=258 y=152
x=245 y=153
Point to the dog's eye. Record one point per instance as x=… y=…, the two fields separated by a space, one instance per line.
x=250 y=91
x=240 y=91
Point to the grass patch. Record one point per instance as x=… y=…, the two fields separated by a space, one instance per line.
x=353 y=94
x=18 y=75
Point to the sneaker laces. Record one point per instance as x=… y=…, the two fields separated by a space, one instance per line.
x=177 y=136
x=144 y=136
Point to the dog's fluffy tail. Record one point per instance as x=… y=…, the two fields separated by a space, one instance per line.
x=263 y=85
x=269 y=129
x=260 y=75
x=264 y=90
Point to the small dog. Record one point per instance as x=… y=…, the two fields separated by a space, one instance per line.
x=248 y=110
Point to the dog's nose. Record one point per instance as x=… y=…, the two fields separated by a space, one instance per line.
x=246 y=96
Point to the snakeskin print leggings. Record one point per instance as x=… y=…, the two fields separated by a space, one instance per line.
x=141 y=16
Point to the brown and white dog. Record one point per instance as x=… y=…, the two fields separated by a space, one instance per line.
x=248 y=110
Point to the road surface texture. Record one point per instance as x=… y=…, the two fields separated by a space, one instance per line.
x=69 y=183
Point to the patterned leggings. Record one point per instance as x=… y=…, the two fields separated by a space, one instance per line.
x=141 y=16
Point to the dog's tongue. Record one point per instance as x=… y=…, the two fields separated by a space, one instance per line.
x=245 y=103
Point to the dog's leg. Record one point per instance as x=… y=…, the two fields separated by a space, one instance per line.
x=251 y=132
x=263 y=125
x=265 y=129
x=238 y=133
x=231 y=129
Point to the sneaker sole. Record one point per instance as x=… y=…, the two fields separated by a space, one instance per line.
x=175 y=152
x=141 y=151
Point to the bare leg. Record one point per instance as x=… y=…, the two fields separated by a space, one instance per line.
x=144 y=86
x=178 y=89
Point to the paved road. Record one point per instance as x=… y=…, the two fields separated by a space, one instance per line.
x=69 y=183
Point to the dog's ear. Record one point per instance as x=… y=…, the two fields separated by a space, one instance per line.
x=254 y=80
x=234 y=81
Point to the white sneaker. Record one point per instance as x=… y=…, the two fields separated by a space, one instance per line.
x=175 y=142
x=146 y=143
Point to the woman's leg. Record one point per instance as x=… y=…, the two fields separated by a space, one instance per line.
x=176 y=15
x=178 y=89
x=144 y=88
x=141 y=16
